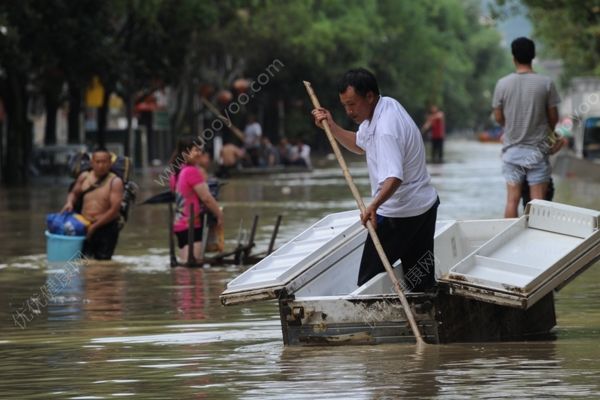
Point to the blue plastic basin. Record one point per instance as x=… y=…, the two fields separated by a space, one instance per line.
x=63 y=248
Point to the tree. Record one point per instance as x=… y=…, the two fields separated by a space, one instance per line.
x=14 y=77
x=317 y=44
x=569 y=29
x=439 y=53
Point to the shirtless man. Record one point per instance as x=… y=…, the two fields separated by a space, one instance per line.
x=231 y=155
x=102 y=193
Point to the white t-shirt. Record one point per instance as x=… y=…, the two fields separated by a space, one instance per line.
x=252 y=133
x=394 y=148
x=305 y=154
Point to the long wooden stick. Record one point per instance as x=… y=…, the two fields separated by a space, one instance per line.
x=227 y=121
x=370 y=227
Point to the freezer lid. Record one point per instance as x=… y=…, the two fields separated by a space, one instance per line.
x=267 y=278
x=538 y=253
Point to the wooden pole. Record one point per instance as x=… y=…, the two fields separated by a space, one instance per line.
x=227 y=121
x=205 y=232
x=370 y=227
x=191 y=261
x=172 y=256
x=274 y=235
x=250 y=245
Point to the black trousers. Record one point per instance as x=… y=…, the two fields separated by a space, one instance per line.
x=437 y=150
x=182 y=237
x=101 y=245
x=408 y=239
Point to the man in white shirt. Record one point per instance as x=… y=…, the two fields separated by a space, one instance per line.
x=252 y=132
x=300 y=154
x=404 y=204
x=252 y=135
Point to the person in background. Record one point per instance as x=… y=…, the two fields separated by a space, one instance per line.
x=97 y=194
x=252 y=135
x=190 y=186
x=268 y=154
x=435 y=123
x=404 y=204
x=525 y=104
x=300 y=154
x=285 y=151
x=230 y=157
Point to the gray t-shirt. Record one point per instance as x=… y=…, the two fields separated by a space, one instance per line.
x=524 y=99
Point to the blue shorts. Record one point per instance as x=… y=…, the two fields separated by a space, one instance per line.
x=536 y=174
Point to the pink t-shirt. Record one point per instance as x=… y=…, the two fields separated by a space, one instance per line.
x=189 y=176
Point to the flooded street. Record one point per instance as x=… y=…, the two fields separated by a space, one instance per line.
x=138 y=328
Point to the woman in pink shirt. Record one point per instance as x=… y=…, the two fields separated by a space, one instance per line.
x=188 y=182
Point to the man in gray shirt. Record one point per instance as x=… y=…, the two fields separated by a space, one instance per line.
x=525 y=104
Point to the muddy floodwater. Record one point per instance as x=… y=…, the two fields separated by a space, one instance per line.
x=138 y=328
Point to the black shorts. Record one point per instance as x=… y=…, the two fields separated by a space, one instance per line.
x=101 y=245
x=182 y=237
x=408 y=239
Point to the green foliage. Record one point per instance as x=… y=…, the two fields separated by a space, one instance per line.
x=571 y=30
x=568 y=29
x=438 y=52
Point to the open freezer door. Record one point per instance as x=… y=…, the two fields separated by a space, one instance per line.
x=539 y=252
x=298 y=261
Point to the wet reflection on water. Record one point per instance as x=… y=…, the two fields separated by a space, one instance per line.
x=135 y=327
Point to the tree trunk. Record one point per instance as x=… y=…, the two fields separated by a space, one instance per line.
x=51 y=110
x=18 y=135
x=280 y=119
x=130 y=132
x=103 y=119
x=74 y=113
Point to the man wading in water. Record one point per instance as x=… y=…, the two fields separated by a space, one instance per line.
x=99 y=193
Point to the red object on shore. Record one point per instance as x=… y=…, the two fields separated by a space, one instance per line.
x=206 y=90
x=224 y=96
x=148 y=104
x=241 y=85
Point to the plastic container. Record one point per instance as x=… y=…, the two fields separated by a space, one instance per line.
x=63 y=248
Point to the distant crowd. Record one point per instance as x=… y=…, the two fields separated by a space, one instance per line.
x=259 y=152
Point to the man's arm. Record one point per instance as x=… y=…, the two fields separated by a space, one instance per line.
x=389 y=187
x=552 y=116
x=116 y=196
x=427 y=124
x=346 y=138
x=499 y=116
x=74 y=194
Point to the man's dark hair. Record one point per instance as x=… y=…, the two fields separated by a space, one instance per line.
x=523 y=50
x=362 y=80
x=100 y=149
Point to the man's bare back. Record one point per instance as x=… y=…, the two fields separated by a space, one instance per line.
x=231 y=154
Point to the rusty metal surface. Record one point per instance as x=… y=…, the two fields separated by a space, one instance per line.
x=354 y=321
x=249 y=296
x=443 y=318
